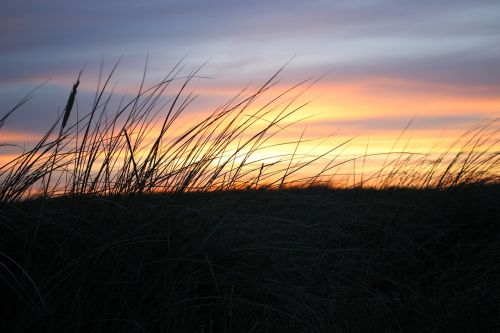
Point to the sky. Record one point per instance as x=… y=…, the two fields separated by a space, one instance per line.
x=387 y=61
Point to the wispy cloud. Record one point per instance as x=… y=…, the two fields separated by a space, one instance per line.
x=383 y=35
x=415 y=55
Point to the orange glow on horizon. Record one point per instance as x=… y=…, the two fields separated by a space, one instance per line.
x=369 y=113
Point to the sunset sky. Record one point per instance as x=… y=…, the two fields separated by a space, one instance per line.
x=387 y=60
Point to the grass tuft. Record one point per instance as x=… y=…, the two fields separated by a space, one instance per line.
x=133 y=220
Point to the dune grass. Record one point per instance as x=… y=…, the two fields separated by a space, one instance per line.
x=142 y=147
x=128 y=221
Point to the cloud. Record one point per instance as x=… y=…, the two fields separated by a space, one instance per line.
x=383 y=36
x=450 y=45
x=397 y=123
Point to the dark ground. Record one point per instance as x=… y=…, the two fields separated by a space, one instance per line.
x=290 y=261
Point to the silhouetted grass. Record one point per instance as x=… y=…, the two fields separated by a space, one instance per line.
x=143 y=147
x=236 y=243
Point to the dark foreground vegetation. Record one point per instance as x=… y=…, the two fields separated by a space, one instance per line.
x=314 y=260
